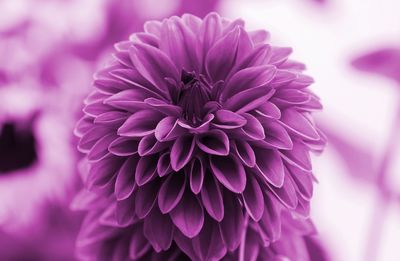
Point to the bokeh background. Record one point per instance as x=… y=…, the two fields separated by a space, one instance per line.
x=49 y=50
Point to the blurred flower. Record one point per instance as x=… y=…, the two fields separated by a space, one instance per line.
x=36 y=156
x=385 y=61
x=195 y=121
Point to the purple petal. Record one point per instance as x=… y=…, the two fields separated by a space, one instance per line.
x=232 y=226
x=214 y=142
x=286 y=193
x=229 y=171
x=158 y=229
x=245 y=152
x=188 y=215
x=164 y=165
x=168 y=129
x=100 y=148
x=279 y=55
x=270 y=166
x=248 y=78
x=249 y=99
x=298 y=156
x=129 y=100
x=125 y=214
x=123 y=146
x=171 y=192
x=253 y=199
x=221 y=57
x=208 y=245
x=111 y=118
x=138 y=243
x=210 y=31
x=163 y=107
x=91 y=137
x=303 y=181
x=269 y=110
x=181 y=152
x=299 y=124
x=211 y=197
x=149 y=145
x=145 y=199
x=276 y=135
x=225 y=119
x=125 y=182
x=196 y=169
x=270 y=223
x=146 y=169
x=103 y=171
x=140 y=124
x=253 y=128
x=153 y=64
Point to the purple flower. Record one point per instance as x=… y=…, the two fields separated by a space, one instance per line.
x=197 y=126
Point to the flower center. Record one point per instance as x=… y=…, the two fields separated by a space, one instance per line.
x=194 y=94
x=17 y=148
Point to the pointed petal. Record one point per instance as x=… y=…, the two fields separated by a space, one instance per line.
x=299 y=124
x=182 y=151
x=171 y=192
x=146 y=197
x=225 y=119
x=158 y=229
x=229 y=171
x=276 y=135
x=253 y=199
x=123 y=146
x=146 y=169
x=214 y=142
x=140 y=124
x=249 y=99
x=100 y=148
x=232 y=226
x=245 y=152
x=125 y=182
x=196 y=169
x=287 y=193
x=298 y=156
x=253 y=128
x=149 y=145
x=164 y=165
x=125 y=212
x=168 y=129
x=188 y=215
x=211 y=197
x=270 y=166
x=269 y=110
x=138 y=244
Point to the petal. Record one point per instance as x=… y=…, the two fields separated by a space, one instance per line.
x=153 y=64
x=91 y=137
x=298 y=156
x=245 y=152
x=158 y=229
x=100 y=148
x=214 y=142
x=211 y=197
x=303 y=181
x=232 y=226
x=249 y=99
x=221 y=57
x=168 y=129
x=270 y=166
x=145 y=199
x=229 y=171
x=125 y=212
x=129 y=100
x=299 y=124
x=181 y=152
x=112 y=118
x=164 y=165
x=253 y=128
x=270 y=223
x=171 y=192
x=196 y=169
x=138 y=244
x=123 y=146
x=188 y=215
x=210 y=31
x=279 y=55
x=179 y=43
x=140 y=124
x=209 y=245
x=164 y=107
x=125 y=182
x=253 y=199
x=269 y=110
x=225 y=119
x=103 y=171
x=149 y=145
x=248 y=78
x=276 y=135
x=146 y=169
x=286 y=193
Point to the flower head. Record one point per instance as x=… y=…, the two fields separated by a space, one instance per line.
x=200 y=125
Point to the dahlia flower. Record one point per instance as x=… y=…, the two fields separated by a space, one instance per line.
x=108 y=234
x=197 y=126
x=36 y=157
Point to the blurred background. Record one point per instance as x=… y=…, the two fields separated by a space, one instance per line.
x=49 y=50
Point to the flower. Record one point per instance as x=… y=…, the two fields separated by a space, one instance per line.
x=200 y=125
x=36 y=157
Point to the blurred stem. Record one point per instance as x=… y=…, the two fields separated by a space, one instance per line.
x=384 y=193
